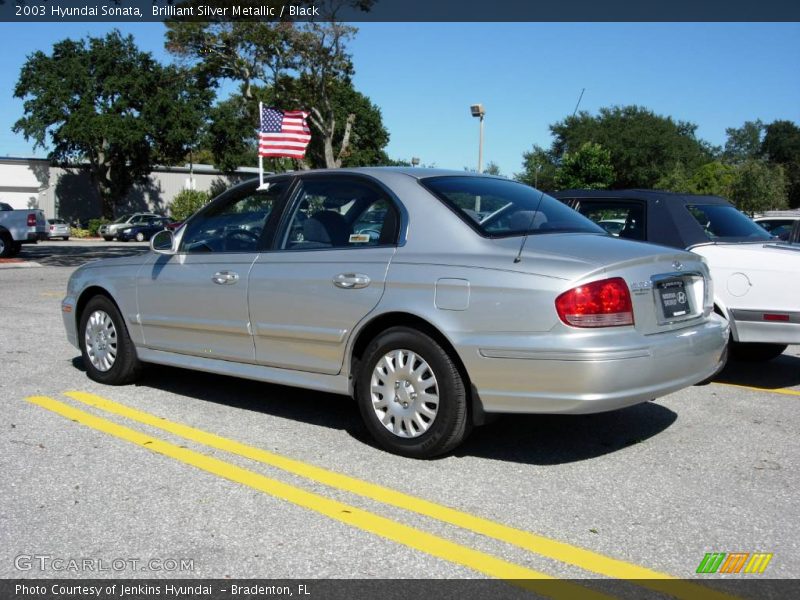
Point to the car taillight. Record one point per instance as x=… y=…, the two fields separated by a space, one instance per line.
x=52 y=227
x=32 y=220
x=605 y=303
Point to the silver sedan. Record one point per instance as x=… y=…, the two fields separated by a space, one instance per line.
x=432 y=297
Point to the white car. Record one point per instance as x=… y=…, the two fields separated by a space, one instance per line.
x=756 y=278
x=779 y=225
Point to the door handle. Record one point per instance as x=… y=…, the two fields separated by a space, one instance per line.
x=351 y=281
x=225 y=277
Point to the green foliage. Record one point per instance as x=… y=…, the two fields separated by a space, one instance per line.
x=79 y=233
x=758 y=186
x=186 y=203
x=744 y=143
x=714 y=179
x=94 y=225
x=675 y=180
x=589 y=167
x=781 y=145
x=492 y=169
x=539 y=168
x=290 y=66
x=644 y=146
x=103 y=101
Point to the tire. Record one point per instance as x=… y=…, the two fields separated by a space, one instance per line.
x=755 y=352
x=108 y=238
x=140 y=237
x=66 y=238
x=6 y=245
x=407 y=425
x=16 y=248
x=111 y=355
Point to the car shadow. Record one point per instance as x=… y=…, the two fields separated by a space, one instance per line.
x=54 y=255
x=530 y=439
x=560 y=439
x=780 y=372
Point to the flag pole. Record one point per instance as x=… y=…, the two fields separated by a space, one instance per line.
x=260 y=158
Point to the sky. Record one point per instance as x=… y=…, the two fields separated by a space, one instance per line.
x=425 y=76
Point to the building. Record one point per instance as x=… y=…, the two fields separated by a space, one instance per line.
x=68 y=193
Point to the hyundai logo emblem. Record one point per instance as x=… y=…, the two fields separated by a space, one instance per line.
x=677 y=265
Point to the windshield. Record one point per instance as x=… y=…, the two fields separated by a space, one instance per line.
x=501 y=208
x=123 y=219
x=723 y=223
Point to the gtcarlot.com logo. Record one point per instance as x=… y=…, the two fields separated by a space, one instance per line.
x=753 y=563
x=47 y=562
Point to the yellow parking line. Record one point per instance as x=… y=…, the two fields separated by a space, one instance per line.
x=560 y=551
x=783 y=391
x=339 y=511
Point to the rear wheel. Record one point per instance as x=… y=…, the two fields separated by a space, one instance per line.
x=755 y=352
x=16 y=248
x=6 y=245
x=411 y=395
x=107 y=350
x=108 y=238
x=140 y=237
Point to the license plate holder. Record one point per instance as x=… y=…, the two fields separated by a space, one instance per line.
x=674 y=300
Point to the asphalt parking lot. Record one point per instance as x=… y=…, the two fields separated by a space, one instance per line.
x=242 y=479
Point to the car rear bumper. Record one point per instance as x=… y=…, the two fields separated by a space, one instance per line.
x=520 y=378
x=753 y=326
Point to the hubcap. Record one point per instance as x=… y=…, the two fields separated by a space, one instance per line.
x=404 y=393
x=101 y=340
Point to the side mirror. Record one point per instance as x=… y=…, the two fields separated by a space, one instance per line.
x=163 y=242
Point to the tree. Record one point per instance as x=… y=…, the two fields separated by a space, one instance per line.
x=781 y=146
x=303 y=65
x=539 y=168
x=758 y=186
x=714 y=178
x=675 y=180
x=492 y=168
x=103 y=102
x=589 y=167
x=644 y=146
x=744 y=143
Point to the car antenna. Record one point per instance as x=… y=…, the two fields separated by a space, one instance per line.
x=528 y=229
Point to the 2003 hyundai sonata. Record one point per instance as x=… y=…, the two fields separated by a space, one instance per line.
x=433 y=297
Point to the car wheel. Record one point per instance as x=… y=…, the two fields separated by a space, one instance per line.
x=411 y=394
x=66 y=238
x=108 y=352
x=140 y=237
x=108 y=238
x=6 y=245
x=16 y=248
x=755 y=352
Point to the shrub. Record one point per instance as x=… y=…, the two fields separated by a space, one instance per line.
x=77 y=232
x=186 y=203
x=94 y=225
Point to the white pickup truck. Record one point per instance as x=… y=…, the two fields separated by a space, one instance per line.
x=18 y=227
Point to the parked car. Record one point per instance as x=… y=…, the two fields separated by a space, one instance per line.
x=432 y=323
x=779 y=227
x=756 y=283
x=18 y=227
x=142 y=232
x=173 y=225
x=612 y=226
x=109 y=231
x=58 y=228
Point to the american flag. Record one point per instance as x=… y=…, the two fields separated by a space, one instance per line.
x=283 y=133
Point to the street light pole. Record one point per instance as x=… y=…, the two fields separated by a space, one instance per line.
x=477 y=110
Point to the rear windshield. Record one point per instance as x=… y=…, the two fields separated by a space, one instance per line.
x=723 y=223
x=123 y=219
x=502 y=208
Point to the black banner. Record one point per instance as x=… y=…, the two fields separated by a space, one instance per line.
x=398 y=10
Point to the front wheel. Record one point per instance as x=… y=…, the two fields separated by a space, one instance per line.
x=755 y=352
x=108 y=238
x=108 y=352
x=411 y=394
x=140 y=237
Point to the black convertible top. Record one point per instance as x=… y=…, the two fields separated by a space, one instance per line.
x=668 y=222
